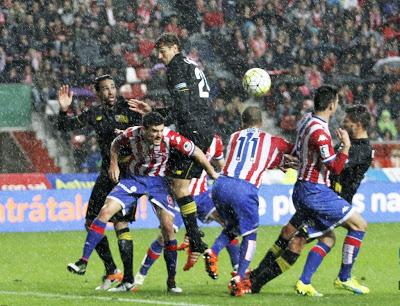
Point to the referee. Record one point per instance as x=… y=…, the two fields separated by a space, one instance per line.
x=108 y=119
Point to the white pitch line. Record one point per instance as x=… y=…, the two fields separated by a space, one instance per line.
x=100 y=298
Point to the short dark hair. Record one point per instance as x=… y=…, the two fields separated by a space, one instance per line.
x=252 y=116
x=100 y=78
x=324 y=95
x=168 y=39
x=152 y=119
x=359 y=113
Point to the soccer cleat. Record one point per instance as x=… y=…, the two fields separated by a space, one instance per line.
x=78 y=267
x=352 y=285
x=247 y=273
x=184 y=245
x=172 y=288
x=139 y=279
x=193 y=257
x=211 y=261
x=238 y=286
x=306 y=290
x=110 y=280
x=124 y=287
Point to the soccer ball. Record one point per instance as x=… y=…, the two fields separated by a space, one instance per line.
x=256 y=82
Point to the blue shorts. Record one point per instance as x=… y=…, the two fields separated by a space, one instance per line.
x=205 y=206
x=132 y=188
x=318 y=208
x=236 y=201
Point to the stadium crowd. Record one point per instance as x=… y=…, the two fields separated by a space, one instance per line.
x=303 y=44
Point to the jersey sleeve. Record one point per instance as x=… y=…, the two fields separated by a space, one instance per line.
x=281 y=147
x=67 y=123
x=124 y=139
x=219 y=148
x=181 y=143
x=322 y=143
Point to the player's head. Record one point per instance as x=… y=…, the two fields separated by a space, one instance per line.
x=326 y=98
x=252 y=117
x=357 y=120
x=105 y=89
x=167 y=45
x=153 y=124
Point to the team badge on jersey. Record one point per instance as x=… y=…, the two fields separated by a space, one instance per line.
x=324 y=150
x=188 y=147
x=121 y=118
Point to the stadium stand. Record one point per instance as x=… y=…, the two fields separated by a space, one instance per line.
x=301 y=43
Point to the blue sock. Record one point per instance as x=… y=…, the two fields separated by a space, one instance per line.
x=247 y=251
x=95 y=234
x=170 y=256
x=221 y=242
x=153 y=253
x=314 y=259
x=351 y=246
x=234 y=253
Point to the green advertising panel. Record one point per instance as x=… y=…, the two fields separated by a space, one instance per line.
x=15 y=106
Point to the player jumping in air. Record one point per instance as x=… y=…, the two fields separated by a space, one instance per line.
x=192 y=115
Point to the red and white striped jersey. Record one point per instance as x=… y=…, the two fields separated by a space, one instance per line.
x=148 y=159
x=315 y=151
x=252 y=151
x=216 y=152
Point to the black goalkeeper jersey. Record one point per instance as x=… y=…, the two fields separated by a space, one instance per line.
x=191 y=109
x=104 y=120
x=348 y=181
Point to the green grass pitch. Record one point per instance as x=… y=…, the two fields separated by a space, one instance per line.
x=33 y=272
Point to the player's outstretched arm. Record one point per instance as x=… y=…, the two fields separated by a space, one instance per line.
x=202 y=160
x=138 y=106
x=65 y=97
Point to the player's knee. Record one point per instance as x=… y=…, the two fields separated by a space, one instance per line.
x=329 y=239
x=288 y=231
x=160 y=239
x=358 y=223
x=363 y=225
x=88 y=223
x=297 y=244
x=167 y=230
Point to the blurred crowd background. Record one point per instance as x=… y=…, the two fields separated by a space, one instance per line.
x=302 y=43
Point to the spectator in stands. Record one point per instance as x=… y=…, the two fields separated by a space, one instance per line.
x=386 y=126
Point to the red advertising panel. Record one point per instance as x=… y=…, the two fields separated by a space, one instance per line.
x=387 y=154
x=23 y=181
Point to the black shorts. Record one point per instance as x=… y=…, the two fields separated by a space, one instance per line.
x=184 y=167
x=101 y=189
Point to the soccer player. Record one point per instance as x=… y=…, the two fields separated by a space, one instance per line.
x=249 y=153
x=107 y=119
x=206 y=213
x=318 y=207
x=150 y=145
x=192 y=115
x=356 y=123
